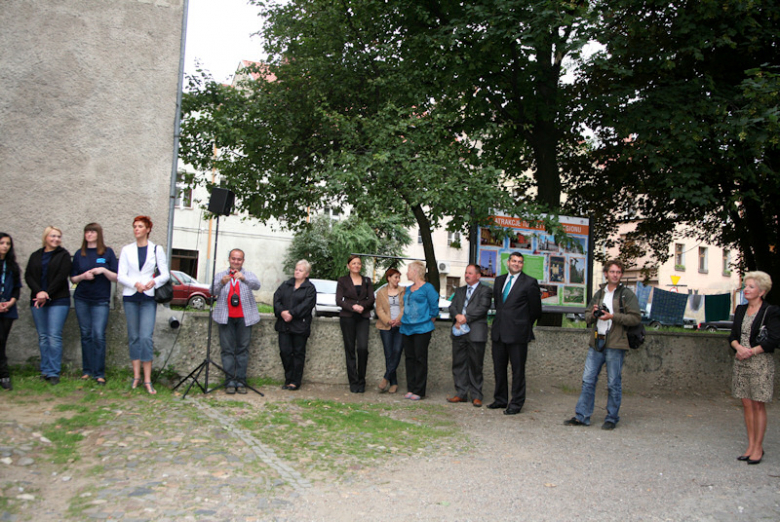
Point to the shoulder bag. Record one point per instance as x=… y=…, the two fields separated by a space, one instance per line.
x=162 y=294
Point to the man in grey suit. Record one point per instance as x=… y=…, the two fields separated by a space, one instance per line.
x=518 y=306
x=469 y=335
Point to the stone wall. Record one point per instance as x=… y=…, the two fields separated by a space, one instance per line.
x=87 y=109
x=667 y=362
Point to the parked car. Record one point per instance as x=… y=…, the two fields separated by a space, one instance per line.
x=189 y=292
x=714 y=326
x=326 y=297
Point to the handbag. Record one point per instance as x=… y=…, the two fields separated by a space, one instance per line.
x=162 y=294
x=763 y=334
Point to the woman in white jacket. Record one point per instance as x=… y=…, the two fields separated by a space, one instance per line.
x=136 y=273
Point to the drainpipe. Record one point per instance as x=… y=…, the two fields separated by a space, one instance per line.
x=177 y=132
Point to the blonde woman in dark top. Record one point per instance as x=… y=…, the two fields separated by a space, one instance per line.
x=754 y=365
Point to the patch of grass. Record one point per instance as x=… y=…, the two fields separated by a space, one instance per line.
x=65 y=434
x=334 y=436
x=78 y=503
x=265 y=309
x=568 y=389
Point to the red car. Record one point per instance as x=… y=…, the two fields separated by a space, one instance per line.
x=189 y=292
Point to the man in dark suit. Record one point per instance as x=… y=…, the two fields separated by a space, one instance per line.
x=469 y=308
x=518 y=302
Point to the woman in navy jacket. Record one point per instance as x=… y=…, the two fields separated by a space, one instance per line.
x=294 y=301
x=754 y=365
x=94 y=269
x=10 y=283
x=47 y=276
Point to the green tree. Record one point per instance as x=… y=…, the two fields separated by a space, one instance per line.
x=685 y=104
x=344 y=121
x=327 y=244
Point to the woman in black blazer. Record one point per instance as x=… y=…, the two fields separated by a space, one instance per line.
x=754 y=365
x=294 y=301
x=355 y=296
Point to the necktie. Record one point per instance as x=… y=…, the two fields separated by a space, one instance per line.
x=468 y=297
x=508 y=286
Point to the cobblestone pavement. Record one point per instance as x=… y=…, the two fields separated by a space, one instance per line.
x=671 y=458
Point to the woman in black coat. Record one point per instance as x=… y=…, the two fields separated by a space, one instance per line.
x=355 y=296
x=754 y=365
x=294 y=301
x=47 y=276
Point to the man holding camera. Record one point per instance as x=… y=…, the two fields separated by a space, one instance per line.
x=614 y=308
x=235 y=312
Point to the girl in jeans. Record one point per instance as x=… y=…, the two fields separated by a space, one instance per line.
x=47 y=276
x=94 y=269
x=136 y=273
x=389 y=309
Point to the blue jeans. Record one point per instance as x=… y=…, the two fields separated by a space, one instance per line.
x=614 y=360
x=391 y=341
x=93 y=319
x=49 y=322
x=141 y=316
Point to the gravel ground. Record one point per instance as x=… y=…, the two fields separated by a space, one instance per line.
x=671 y=458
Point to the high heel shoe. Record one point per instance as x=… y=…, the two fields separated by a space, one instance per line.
x=743 y=458
x=751 y=461
x=135 y=384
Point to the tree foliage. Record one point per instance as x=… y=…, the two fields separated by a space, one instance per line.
x=684 y=100
x=327 y=244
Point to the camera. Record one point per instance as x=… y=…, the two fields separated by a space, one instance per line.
x=234 y=300
x=232 y=272
x=601 y=311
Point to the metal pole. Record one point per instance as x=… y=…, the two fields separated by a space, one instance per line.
x=177 y=132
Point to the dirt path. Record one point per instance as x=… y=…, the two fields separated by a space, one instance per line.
x=671 y=458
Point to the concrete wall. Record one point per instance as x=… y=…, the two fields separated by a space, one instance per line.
x=667 y=362
x=87 y=107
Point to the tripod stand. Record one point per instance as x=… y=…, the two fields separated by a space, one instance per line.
x=204 y=366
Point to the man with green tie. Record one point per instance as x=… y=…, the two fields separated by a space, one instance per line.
x=518 y=303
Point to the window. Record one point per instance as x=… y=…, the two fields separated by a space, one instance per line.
x=703 y=260
x=419 y=236
x=726 y=263
x=679 y=256
x=453 y=237
x=185 y=261
x=452 y=284
x=333 y=213
x=183 y=192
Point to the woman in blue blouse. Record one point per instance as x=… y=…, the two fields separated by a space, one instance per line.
x=421 y=307
x=47 y=276
x=94 y=269
x=10 y=283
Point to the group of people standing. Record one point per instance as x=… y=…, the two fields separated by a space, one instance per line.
x=141 y=267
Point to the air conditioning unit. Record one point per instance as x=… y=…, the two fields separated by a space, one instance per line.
x=444 y=267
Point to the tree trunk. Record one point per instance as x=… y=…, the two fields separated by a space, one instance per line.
x=548 y=177
x=427 y=240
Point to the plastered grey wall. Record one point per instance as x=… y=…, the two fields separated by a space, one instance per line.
x=666 y=363
x=87 y=109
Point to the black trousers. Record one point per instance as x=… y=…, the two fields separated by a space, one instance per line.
x=416 y=350
x=5 y=329
x=354 y=330
x=292 y=348
x=516 y=354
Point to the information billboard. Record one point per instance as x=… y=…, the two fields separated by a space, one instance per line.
x=563 y=271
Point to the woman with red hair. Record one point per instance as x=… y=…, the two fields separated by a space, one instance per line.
x=137 y=264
